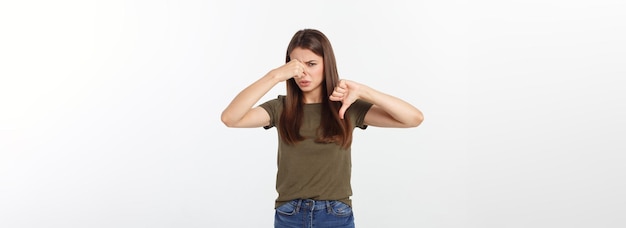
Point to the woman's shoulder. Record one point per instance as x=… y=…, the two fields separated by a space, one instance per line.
x=280 y=99
x=276 y=102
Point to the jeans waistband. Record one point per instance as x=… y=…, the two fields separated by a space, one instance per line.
x=310 y=204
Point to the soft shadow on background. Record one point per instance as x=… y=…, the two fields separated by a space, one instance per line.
x=110 y=111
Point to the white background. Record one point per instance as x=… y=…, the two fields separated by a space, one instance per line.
x=109 y=111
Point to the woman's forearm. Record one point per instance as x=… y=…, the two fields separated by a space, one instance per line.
x=400 y=110
x=243 y=102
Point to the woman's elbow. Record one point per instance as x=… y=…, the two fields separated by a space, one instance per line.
x=229 y=122
x=417 y=119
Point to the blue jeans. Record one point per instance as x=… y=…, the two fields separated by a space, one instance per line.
x=307 y=213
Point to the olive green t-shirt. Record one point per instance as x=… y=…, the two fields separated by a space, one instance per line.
x=310 y=170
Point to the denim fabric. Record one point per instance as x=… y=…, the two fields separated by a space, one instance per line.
x=307 y=213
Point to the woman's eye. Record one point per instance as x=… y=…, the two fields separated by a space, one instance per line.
x=312 y=64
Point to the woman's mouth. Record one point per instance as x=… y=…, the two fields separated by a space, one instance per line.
x=304 y=83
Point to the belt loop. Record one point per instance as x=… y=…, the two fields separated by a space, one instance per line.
x=328 y=208
x=298 y=205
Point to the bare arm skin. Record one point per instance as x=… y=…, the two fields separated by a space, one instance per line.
x=387 y=111
x=240 y=112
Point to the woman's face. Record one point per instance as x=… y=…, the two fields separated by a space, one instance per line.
x=311 y=82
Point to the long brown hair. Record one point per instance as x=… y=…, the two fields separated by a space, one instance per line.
x=332 y=129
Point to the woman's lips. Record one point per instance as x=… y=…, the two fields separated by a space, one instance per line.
x=304 y=83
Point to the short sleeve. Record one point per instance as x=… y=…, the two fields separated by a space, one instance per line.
x=273 y=108
x=357 y=112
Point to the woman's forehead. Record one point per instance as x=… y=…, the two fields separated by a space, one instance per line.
x=303 y=54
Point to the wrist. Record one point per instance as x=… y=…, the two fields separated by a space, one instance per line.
x=360 y=89
x=364 y=93
x=274 y=77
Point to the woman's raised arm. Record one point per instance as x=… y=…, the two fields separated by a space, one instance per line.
x=240 y=112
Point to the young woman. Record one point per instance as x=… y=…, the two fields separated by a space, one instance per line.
x=315 y=121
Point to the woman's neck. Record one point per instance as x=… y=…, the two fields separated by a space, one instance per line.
x=312 y=97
